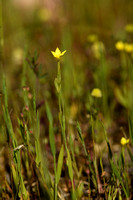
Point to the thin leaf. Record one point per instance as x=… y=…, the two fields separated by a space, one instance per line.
x=107 y=141
x=69 y=164
x=79 y=132
x=130 y=121
x=37 y=143
x=60 y=163
x=51 y=132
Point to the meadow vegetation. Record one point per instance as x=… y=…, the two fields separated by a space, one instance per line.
x=66 y=100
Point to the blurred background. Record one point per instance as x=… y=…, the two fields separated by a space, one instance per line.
x=34 y=28
x=46 y=24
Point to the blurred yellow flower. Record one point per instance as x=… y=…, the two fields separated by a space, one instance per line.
x=57 y=53
x=129 y=28
x=17 y=56
x=119 y=46
x=44 y=14
x=98 y=48
x=73 y=110
x=124 y=141
x=96 y=92
x=128 y=47
x=92 y=38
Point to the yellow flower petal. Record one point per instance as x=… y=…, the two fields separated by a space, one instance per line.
x=124 y=141
x=57 y=53
x=63 y=53
x=96 y=92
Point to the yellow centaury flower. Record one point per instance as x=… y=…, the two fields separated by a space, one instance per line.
x=57 y=53
x=119 y=46
x=96 y=92
x=128 y=47
x=124 y=141
x=129 y=28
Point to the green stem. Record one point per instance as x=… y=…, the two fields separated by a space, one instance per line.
x=59 y=72
x=61 y=106
x=55 y=183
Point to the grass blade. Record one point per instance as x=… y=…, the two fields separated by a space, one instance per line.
x=60 y=163
x=51 y=131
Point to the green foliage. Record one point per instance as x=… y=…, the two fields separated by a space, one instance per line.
x=41 y=156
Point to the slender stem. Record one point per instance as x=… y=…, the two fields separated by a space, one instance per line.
x=61 y=106
x=55 y=183
x=59 y=72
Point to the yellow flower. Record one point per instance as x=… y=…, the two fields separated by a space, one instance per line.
x=17 y=55
x=57 y=53
x=98 y=48
x=96 y=92
x=124 y=141
x=129 y=28
x=128 y=47
x=119 y=46
x=92 y=38
x=44 y=15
